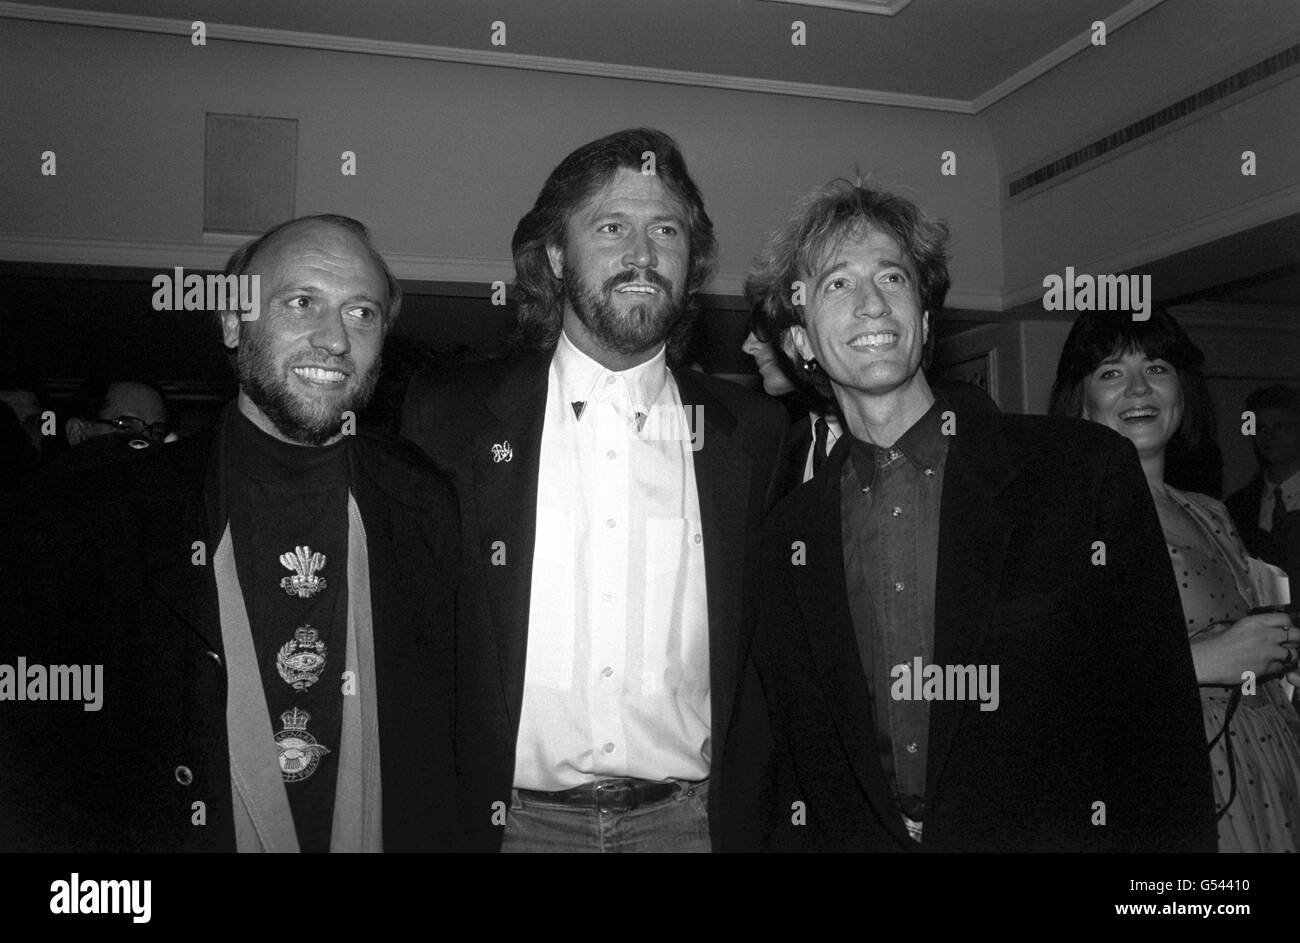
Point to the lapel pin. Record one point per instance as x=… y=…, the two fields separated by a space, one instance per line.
x=502 y=452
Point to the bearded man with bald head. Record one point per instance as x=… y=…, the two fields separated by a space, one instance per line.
x=273 y=604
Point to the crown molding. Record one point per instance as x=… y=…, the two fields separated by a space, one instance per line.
x=1238 y=315
x=1266 y=208
x=480 y=57
x=1120 y=18
x=212 y=253
x=880 y=7
x=511 y=60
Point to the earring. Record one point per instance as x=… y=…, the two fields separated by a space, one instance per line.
x=810 y=366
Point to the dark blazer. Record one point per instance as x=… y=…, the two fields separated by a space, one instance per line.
x=793 y=456
x=1281 y=549
x=108 y=575
x=458 y=417
x=1098 y=700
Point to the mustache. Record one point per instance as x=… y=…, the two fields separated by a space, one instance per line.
x=649 y=277
x=344 y=363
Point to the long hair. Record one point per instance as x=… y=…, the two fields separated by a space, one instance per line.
x=539 y=293
x=820 y=224
x=1098 y=336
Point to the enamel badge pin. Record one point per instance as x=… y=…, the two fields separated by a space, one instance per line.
x=301 y=661
x=502 y=452
x=304 y=583
x=300 y=754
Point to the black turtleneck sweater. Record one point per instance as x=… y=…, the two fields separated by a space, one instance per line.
x=281 y=497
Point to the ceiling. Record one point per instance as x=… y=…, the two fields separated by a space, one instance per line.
x=952 y=51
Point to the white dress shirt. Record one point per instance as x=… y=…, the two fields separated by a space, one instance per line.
x=1290 y=499
x=617 y=676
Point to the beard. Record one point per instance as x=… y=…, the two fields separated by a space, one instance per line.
x=642 y=326
x=300 y=418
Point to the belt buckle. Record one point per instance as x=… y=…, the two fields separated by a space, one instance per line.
x=621 y=788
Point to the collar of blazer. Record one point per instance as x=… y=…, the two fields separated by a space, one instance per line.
x=187 y=475
x=523 y=386
x=976 y=437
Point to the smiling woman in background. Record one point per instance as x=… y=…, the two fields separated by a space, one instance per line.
x=1143 y=379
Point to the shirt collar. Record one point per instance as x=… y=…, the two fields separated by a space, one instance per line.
x=582 y=379
x=1290 y=486
x=832 y=422
x=923 y=444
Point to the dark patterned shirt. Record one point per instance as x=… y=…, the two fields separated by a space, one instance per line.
x=889 y=500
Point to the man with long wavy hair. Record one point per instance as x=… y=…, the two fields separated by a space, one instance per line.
x=613 y=522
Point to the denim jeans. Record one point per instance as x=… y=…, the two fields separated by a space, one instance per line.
x=679 y=823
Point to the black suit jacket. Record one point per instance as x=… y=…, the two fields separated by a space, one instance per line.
x=108 y=575
x=459 y=417
x=1281 y=549
x=793 y=457
x=1098 y=700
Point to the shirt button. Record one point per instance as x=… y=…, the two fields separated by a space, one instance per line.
x=911 y=748
x=609 y=381
x=607 y=672
x=929 y=473
x=898 y=587
x=609 y=748
x=610 y=523
x=699 y=538
x=897 y=512
x=611 y=455
x=184 y=776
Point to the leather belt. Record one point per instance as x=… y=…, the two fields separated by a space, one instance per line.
x=607 y=795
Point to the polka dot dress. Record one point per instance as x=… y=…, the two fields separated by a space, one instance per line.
x=1265 y=814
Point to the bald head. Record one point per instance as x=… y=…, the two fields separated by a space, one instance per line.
x=251 y=257
x=122 y=400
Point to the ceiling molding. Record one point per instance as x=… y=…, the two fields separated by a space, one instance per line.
x=1234 y=315
x=880 y=7
x=1120 y=18
x=212 y=253
x=1265 y=208
x=480 y=57
x=510 y=60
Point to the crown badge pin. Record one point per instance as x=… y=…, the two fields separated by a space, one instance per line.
x=300 y=754
x=301 y=661
x=304 y=583
x=502 y=452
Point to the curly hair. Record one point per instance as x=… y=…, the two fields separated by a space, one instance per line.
x=540 y=293
x=820 y=224
x=1098 y=336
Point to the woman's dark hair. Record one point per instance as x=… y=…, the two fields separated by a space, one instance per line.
x=1098 y=336
x=539 y=293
